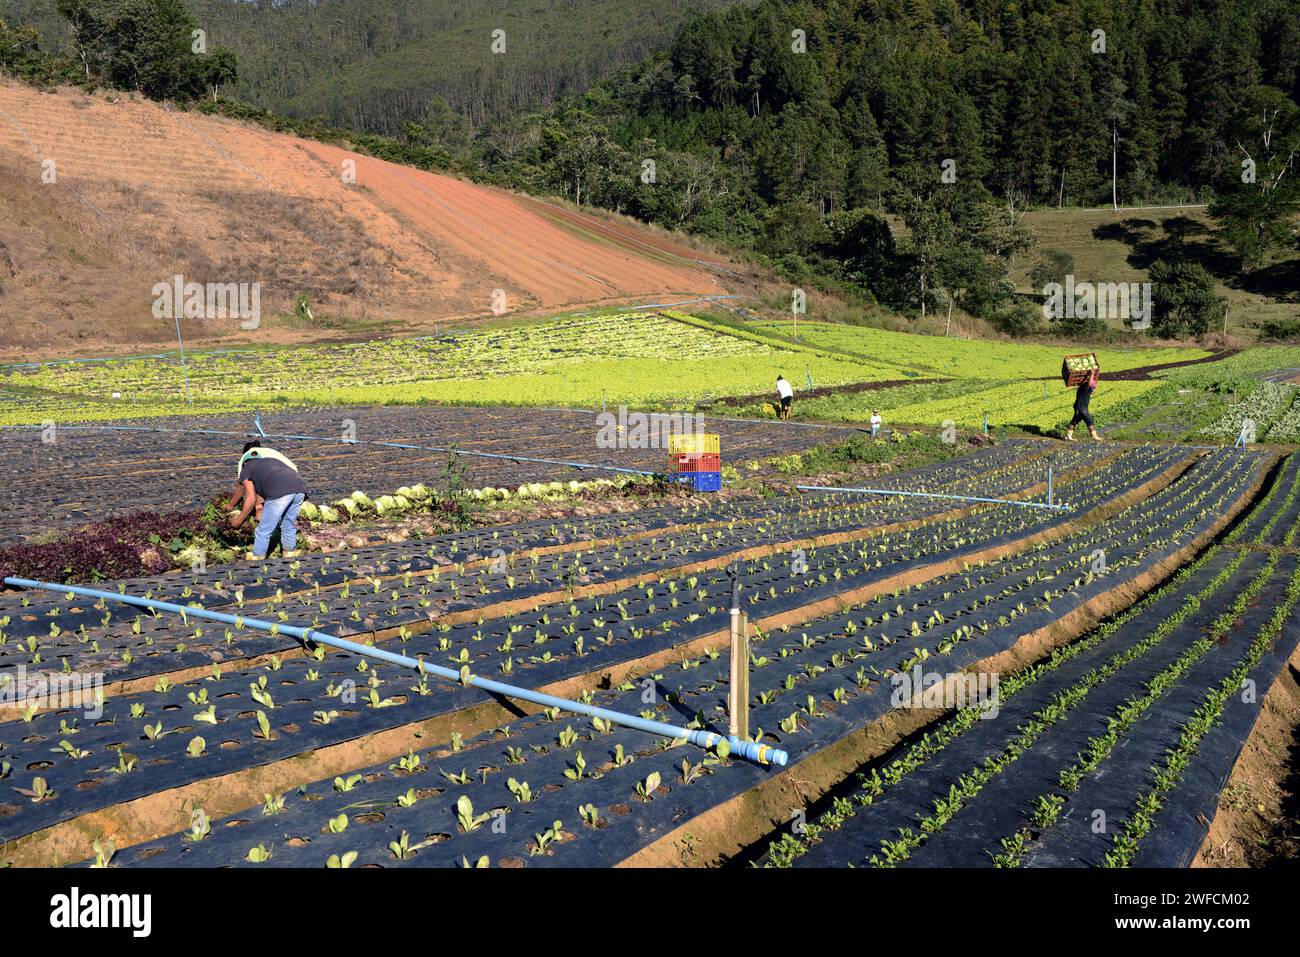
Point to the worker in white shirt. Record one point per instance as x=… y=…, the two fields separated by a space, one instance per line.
x=876 y=420
x=786 y=393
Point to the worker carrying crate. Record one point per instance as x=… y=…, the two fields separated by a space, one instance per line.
x=1081 y=373
x=695 y=459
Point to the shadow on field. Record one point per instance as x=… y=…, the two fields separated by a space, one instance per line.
x=1182 y=237
x=1037 y=430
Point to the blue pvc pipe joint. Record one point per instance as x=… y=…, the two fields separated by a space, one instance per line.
x=758 y=752
x=750 y=750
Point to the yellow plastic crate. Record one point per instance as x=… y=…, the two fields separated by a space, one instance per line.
x=694 y=442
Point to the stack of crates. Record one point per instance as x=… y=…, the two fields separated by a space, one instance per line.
x=696 y=460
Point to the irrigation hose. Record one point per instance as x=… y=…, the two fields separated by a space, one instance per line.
x=750 y=750
x=957 y=498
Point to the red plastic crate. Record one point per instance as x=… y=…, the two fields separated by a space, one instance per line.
x=695 y=462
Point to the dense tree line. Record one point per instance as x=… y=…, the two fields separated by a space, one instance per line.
x=154 y=47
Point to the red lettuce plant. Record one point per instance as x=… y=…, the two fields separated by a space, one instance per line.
x=124 y=547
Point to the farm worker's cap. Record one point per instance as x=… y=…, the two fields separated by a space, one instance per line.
x=261 y=452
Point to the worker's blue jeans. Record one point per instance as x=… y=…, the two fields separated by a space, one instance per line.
x=279 y=513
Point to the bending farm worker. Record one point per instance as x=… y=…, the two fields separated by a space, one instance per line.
x=1083 y=396
x=281 y=490
x=785 y=392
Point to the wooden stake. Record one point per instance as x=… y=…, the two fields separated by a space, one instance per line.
x=738 y=694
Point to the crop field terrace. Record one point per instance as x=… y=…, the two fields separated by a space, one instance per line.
x=567 y=361
x=216 y=745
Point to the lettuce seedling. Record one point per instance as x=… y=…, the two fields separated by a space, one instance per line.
x=258 y=855
x=103 y=853
x=579 y=768
x=200 y=824
x=343 y=785
x=645 y=789
x=71 y=750
x=546 y=838
x=465 y=815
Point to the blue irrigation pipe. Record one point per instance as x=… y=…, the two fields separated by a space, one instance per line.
x=957 y=498
x=760 y=753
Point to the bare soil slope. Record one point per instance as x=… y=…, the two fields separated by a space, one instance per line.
x=141 y=193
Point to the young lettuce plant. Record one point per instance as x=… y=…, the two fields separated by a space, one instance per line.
x=125 y=762
x=411 y=764
x=546 y=838
x=103 y=853
x=469 y=821
x=200 y=825
x=579 y=768
x=646 y=789
x=520 y=789
x=403 y=849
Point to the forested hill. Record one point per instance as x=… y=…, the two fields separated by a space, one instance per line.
x=790 y=126
x=1013 y=92
x=374 y=65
